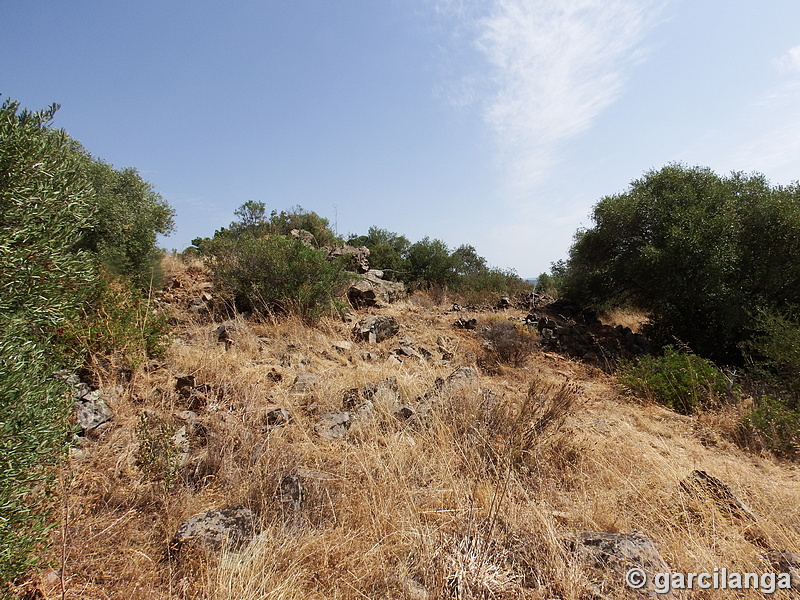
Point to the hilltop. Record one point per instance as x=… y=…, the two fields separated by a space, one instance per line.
x=425 y=465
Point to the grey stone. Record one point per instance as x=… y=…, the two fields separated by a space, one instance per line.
x=304 y=382
x=359 y=255
x=375 y=329
x=611 y=555
x=91 y=411
x=333 y=426
x=372 y=289
x=230 y=527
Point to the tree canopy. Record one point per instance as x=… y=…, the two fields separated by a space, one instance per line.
x=701 y=253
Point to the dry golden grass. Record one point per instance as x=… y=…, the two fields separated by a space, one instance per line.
x=472 y=500
x=627 y=317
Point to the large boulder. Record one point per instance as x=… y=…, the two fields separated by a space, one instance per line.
x=360 y=256
x=375 y=329
x=371 y=289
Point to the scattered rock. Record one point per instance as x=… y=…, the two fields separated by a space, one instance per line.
x=230 y=527
x=277 y=416
x=304 y=236
x=700 y=484
x=503 y=304
x=91 y=410
x=227 y=332
x=333 y=426
x=304 y=382
x=375 y=329
x=611 y=555
x=291 y=492
x=466 y=323
x=360 y=256
x=785 y=561
x=343 y=345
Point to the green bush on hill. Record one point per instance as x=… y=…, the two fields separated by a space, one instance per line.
x=699 y=252
x=51 y=248
x=683 y=382
x=277 y=274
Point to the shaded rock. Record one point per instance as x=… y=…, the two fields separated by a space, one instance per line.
x=700 y=484
x=225 y=331
x=291 y=492
x=372 y=289
x=611 y=555
x=198 y=307
x=375 y=329
x=503 y=303
x=785 y=561
x=333 y=426
x=304 y=382
x=405 y=412
x=277 y=416
x=466 y=323
x=230 y=527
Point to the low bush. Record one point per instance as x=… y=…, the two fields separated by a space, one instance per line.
x=683 y=382
x=507 y=342
x=276 y=274
x=773 y=426
x=774 y=352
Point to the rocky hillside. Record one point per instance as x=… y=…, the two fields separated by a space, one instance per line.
x=403 y=453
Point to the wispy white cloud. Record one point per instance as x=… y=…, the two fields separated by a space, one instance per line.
x=553 y=66
x=790 y=62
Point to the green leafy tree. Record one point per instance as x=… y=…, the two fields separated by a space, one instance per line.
x=431 y=263
x=467 y=261
x=44 y=202
x=698 y=251
x=386 y=251
x=128 y=216
x=252 y=218
x=51 y=290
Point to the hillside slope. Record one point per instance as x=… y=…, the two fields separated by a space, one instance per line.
x=445 y=479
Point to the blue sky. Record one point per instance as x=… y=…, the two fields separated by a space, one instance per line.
x=497 y=123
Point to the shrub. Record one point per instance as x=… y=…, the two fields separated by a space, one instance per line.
x=775 y=353
x=684 y=382
x=116 y=324
x=278 y=274
x=773 y=426
x=508 y=342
